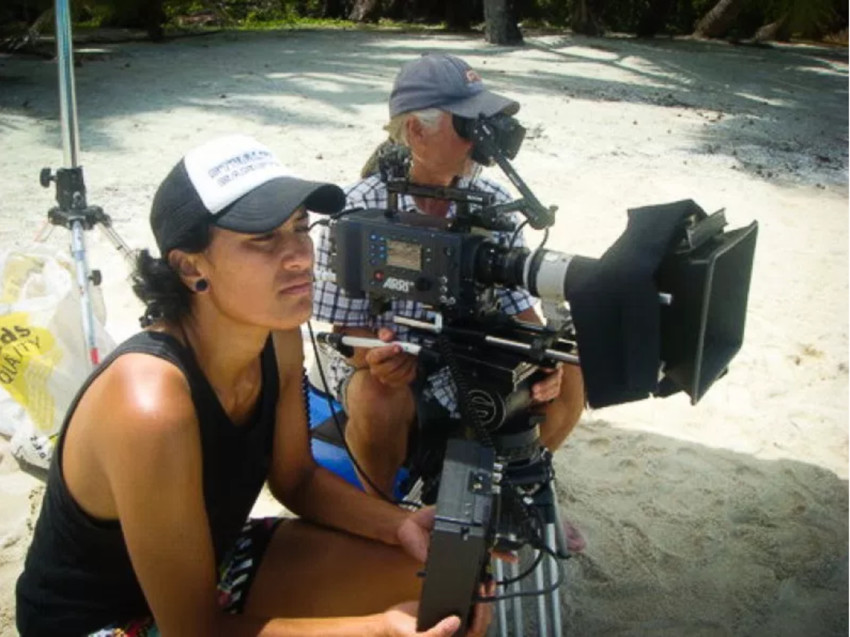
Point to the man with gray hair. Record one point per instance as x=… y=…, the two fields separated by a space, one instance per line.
x=376 y=386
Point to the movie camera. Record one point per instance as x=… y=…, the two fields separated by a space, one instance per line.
x=661 y=311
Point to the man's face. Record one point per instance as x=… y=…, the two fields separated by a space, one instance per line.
x=440 y=150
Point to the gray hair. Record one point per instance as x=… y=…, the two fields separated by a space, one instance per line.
x=397 y=126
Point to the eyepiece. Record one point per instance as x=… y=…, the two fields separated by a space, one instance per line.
x=499 y=133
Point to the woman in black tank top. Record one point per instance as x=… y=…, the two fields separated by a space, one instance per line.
x=169 y=442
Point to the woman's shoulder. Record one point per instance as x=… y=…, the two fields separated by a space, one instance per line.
x=134 y=416
x=143 y=389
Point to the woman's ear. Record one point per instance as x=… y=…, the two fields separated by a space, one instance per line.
x=186 y=267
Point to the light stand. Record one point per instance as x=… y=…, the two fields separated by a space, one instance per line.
x=73 y=212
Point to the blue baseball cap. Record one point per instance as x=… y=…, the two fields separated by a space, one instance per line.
x=448 y=83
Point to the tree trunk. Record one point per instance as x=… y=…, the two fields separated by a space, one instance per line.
x=501 y=24
x=776 y=31
x=459 y=15
x=153 y=17
x=717 y=22
x=584 y=19
x=365 y=11
x=654 y=18
x=334 y=9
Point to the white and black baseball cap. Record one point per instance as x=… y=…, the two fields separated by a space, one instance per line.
x=237 y=183
x=446 y=82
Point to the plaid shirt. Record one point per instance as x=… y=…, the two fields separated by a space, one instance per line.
x=334 y=306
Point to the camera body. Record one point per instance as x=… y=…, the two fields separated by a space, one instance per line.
x=400 y=255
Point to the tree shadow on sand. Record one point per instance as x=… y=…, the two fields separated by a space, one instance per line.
x=684 y=539
x=787 y=103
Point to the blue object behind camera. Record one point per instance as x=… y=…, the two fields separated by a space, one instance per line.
x=333 y=457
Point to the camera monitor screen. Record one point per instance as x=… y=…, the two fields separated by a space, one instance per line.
x=402 y=254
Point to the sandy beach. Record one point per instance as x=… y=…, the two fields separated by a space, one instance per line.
x=725 y=518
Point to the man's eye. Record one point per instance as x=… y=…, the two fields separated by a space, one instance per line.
x=263 y=238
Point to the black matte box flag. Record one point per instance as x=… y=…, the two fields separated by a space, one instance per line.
x=615 y=306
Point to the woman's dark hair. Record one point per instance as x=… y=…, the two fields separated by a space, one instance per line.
x=160 y=287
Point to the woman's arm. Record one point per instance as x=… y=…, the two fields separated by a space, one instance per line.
x=150 y=453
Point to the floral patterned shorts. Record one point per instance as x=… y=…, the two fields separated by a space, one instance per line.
x=234 y=578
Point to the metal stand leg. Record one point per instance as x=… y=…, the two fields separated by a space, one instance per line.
x=501 y=605
x=73 y=211
x=78 y=252
x=516 y=603
x=555 y=595
x=540 y=583
x=547 y=573
x=509 y=613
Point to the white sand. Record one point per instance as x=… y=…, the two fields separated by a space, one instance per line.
x=728 y=518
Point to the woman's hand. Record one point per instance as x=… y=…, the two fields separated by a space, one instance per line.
x=400 y=621
x=414 y=534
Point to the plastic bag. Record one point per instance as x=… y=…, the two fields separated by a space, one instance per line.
x=43 y=356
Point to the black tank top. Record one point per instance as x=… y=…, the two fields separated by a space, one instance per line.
x=77 y=576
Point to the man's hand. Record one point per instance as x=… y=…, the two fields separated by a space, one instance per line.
x=390 y=365
x=550 y=387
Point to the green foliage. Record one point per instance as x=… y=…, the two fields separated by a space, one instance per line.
x=808 y=19
x=803 y=18
x=176 y=8
x=552 y=12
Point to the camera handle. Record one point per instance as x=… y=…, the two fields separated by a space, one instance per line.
x=486 y=215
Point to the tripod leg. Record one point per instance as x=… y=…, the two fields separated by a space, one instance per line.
x=117 y=241
x=78 y=252
x=67 y=93
x=554 y=566
x=539 y=582
x=516 y=602
x=501 y=605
